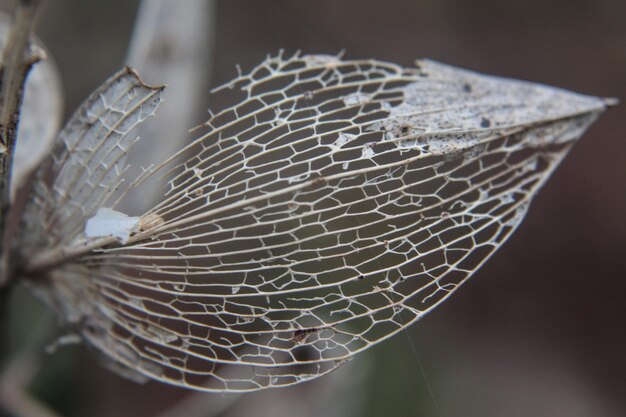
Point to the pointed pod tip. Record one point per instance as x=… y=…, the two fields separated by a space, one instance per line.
x=610 y=101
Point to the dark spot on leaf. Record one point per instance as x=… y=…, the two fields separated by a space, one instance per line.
x=300 y=335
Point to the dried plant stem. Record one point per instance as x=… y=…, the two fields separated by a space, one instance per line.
x=198 y=404
x=17 y=60
x=23 y=363
x=13 y=395
x=173 y=45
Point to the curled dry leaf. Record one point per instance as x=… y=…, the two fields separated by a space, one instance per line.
x=333 y=205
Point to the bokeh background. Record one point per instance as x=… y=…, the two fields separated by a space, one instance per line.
x=539 y=331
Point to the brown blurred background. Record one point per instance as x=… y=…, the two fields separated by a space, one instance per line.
x=539 y=331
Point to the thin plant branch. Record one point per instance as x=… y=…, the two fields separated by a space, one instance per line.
x=14 y=396
x=22 y=367
x=17 y=60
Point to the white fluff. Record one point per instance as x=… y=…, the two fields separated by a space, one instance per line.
x=108 y=222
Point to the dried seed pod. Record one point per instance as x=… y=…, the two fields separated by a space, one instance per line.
x=334 y=204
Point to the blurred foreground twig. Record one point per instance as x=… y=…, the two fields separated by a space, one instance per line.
x=17 y=60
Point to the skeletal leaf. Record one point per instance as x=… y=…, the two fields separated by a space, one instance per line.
x=333 y=205
x=85 y=170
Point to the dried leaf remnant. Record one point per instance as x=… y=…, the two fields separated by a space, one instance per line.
x=348 y=197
